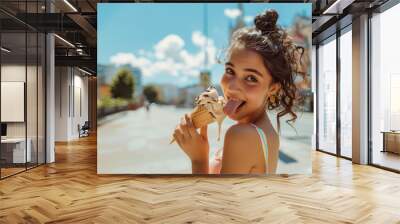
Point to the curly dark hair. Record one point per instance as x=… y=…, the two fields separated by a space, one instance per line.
x=281 y=57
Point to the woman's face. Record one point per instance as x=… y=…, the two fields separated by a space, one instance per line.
x=246 y=85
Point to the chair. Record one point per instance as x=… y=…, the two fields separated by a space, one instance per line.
x=84 y=130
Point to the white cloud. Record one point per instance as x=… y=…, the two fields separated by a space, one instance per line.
x=198 y=39
x=122 y=58
x=170 y=46
x=169 y=57
x=202 y=41
x=129 y=58
x=165 y=67
x=232 y=13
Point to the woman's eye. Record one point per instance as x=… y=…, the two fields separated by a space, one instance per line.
x=251 y=78
x=229 y=71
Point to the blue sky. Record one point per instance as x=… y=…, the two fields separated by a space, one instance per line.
x=167 y=40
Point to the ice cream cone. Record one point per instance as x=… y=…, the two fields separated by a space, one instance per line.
x=200 y=117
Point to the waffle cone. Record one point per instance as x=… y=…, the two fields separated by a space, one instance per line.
x=200 y=118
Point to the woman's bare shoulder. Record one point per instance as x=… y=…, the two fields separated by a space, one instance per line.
x=242 y=130
x=240 y=149
x=243 y=134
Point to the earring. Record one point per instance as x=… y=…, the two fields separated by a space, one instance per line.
x=271 y=100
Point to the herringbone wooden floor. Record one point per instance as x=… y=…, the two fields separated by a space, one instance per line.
x=70 y=191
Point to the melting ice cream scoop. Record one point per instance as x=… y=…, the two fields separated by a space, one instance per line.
x=214 y=104
x=209 y=108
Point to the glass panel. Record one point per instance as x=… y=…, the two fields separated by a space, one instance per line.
x=13 y=81
x=31 y=95
x=32 y=90
x=385 y=84
x=313 y=83
x=41 y=98
x=23 y=82
x=327 y=96
x=41 y=90
x=13 y=87
x=346 y=94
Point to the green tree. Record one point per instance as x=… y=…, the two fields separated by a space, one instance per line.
x=152 y=93
x=123 y=84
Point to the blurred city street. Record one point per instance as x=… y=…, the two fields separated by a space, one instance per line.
x=137 y=142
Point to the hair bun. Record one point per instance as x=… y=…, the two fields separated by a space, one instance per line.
x=266 y=21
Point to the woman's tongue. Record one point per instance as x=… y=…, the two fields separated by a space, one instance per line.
x=231 y=106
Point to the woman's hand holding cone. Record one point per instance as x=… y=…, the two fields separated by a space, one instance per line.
x=194 y=144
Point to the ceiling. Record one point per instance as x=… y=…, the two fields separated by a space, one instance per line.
x=76 y=22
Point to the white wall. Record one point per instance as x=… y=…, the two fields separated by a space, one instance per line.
x=80 y=104
x=61 y=103
x=71 y=93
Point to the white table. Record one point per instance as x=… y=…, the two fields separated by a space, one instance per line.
x=19 y=149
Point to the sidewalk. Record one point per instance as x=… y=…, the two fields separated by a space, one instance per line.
x=135 y=142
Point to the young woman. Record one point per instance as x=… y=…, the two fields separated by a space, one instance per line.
x=259 y=76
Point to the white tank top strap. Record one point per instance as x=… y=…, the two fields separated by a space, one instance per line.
x=264 y=144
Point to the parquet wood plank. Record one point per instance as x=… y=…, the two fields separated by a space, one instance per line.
x=70 y=191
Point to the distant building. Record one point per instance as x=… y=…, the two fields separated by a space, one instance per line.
x=169 y=93
x=189 y=93
x=205 y=79
x=300 y=33
x=105 y=73
x=104 y=90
